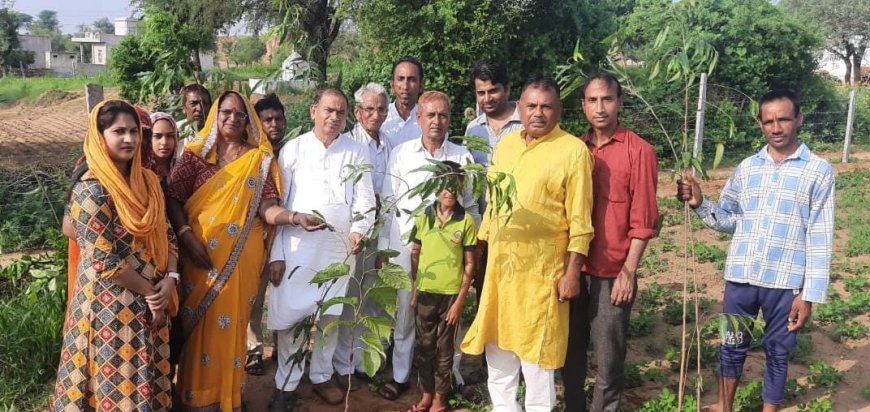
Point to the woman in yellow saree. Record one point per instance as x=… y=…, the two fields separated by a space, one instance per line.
x=223 y=191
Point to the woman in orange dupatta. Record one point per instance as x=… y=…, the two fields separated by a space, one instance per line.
x=115 y=339
x=223 y=191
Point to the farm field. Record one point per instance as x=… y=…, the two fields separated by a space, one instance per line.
x=830 y=369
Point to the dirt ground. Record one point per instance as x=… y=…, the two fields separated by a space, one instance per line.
x=47 y=132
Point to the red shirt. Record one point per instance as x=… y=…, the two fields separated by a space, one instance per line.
x=624 y=182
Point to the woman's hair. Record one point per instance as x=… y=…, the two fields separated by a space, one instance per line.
x=110 y=111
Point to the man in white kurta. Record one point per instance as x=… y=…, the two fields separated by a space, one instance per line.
x=402 y=176
x=313 y=174
x=370 y=111
x=407 y=83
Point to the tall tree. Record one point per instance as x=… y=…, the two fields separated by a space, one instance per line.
x=8 y=34
x=104 y=25
x=201 y=19
x=46 y=21
x=846 y=27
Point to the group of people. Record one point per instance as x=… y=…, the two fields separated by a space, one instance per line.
x=180 y=229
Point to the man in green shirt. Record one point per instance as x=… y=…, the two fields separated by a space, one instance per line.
x=442 y=267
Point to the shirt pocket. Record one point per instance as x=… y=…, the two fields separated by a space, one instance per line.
x=612 y=183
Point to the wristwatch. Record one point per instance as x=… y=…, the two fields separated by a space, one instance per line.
x=174 y=275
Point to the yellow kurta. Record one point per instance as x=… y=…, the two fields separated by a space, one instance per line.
x=528 y=247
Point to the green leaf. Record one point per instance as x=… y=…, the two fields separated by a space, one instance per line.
x=333 y=271
x=379 y=325
x=686 y=161
x=390 y=253
x=339 y=300
x=336 y=323
x=371 y=361
x=395 y=276
x=385 y=296
x=655 y=70
x=696 y=164
x=720 y=152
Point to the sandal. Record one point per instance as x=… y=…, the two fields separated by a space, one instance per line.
x=254 y=365
x=392 y=390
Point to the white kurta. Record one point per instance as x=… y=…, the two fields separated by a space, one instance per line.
x=397 y=130
x=313 y=179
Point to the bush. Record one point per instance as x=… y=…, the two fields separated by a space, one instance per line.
x=127 y=61
x=748 y=397
x=667 y=401
x=844 y=331
x=643 y=324
x=633 y=378
x=824 y=376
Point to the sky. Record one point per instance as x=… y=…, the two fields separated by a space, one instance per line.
x=72 y=13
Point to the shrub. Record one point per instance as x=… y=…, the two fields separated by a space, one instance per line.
x=844 y=331
x=748 y=397
x=643 y=324
x=817 y=405
x=667 y=401
x=633 y=378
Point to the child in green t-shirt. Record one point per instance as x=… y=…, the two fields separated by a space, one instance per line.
x=442 y=268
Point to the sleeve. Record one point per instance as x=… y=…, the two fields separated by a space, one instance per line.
x=389 y=198
x=269 y=189
x=414 y=236
x=364 y=203
x=285 y=160
x=644 y=212
x=98 y=227
x=578 y=201
x=470 y=204
x=469 y=238
x=723 y=216
x=181 y=180
x=820 y=240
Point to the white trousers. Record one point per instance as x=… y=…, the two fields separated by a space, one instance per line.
x=405 y=331
x=504 y=377
x=321 y=357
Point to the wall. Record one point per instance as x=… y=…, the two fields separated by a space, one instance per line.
x=39 y=45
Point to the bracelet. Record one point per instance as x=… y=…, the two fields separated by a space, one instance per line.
x=174 y=275
x=184 y=229
x=292 y=216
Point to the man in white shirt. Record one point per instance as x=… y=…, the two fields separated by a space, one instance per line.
x=402 y=176
x=370 y=112
x=313 y=174
x=407 y=83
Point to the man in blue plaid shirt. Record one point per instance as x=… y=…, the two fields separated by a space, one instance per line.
x=779 y=205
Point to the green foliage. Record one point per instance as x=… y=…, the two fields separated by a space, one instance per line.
x=104 y=25
x=32 y=208
x=632 y=376
x=653 y=296
x=247 y=50
x=643 y=324
x=331 y=272
x=128 y=61
x=748 y=397
x=656 y=375
x=803 y=351
x=667 y=401
x=545 y=30
x=673 y=312
x=856 y=283
x=9 y=24
x=31 y=317
x=705 y=253
x=817 y=405
x=850 y=330
x=824 y=376
x=865 y=392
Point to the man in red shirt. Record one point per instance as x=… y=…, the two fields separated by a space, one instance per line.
x=625 y=216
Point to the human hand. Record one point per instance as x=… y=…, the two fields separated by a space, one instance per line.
x=276 y=272
x=568 y=286
x=689 y=190
x=308 y=222
x=623 y=288
x=196 y=251
x=163 y=289
x=454 y=313
x=800 y=313
x=158 y=318
x=356 y=243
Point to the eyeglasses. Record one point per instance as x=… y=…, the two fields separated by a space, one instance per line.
x=231 y=113
x=372 y=110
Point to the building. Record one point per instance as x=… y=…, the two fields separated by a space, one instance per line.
x=832 y=64
x=39 y=45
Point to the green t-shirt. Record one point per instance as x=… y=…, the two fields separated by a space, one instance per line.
x=441 y=249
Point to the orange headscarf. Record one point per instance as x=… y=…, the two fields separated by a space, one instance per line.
x=140 y=204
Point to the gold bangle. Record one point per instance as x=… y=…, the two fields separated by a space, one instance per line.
x=184 y=229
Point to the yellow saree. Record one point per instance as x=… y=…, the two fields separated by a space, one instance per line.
x=222 y=212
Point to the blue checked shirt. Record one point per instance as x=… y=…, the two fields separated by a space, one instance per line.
x=782 y=218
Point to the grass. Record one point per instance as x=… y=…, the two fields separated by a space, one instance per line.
x=853 y=190
x=18 y=89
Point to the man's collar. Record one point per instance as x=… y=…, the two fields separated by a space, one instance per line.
x=394 y=112
x=802 y=152
x=619 y=134
x=418 y=144
x=361 y=131
x=555 y=132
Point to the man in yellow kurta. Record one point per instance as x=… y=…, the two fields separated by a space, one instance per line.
x=536 y=250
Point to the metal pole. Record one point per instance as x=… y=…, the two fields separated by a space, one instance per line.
x=699 y=118
x=850 y=124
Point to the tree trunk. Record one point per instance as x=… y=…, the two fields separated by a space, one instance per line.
x=856 y=67
x=847 y=79
x=196 y=66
